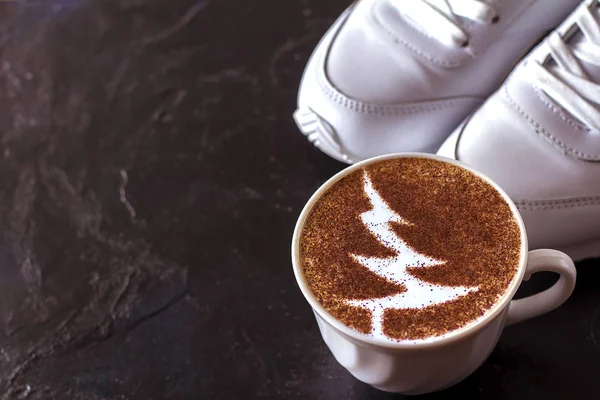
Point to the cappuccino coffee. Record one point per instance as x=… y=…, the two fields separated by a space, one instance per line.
x=409 y=249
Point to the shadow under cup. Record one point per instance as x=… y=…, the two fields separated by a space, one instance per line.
x=414 y=367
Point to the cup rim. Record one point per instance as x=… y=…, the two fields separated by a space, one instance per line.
x=456 y=335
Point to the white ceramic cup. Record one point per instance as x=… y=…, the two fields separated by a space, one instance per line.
x=415 y=368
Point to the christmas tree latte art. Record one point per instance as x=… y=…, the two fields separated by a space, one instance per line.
x=409 y=249
x=418 y=293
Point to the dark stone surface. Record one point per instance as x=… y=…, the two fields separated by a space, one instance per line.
x=150 y=178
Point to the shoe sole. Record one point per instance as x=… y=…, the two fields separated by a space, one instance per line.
x=584 y=251
x=321 y=134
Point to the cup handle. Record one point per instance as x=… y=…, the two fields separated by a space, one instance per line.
x=549 y=299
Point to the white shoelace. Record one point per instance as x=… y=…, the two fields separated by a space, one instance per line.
x=568 y=84
x=441 y=18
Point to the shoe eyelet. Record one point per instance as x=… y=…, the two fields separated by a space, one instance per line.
x=496 y=19
x=464 y=44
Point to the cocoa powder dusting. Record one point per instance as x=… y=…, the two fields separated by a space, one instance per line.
x=454 y=216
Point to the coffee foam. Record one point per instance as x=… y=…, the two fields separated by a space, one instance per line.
x=418 y=293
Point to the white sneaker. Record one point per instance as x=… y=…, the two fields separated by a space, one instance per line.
x=538 y=136
x=400 y=75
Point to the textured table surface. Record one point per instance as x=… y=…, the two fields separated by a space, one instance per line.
x=150 y=179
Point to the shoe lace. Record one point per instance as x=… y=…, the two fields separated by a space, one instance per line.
x=442 y=18
x=567 y=83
